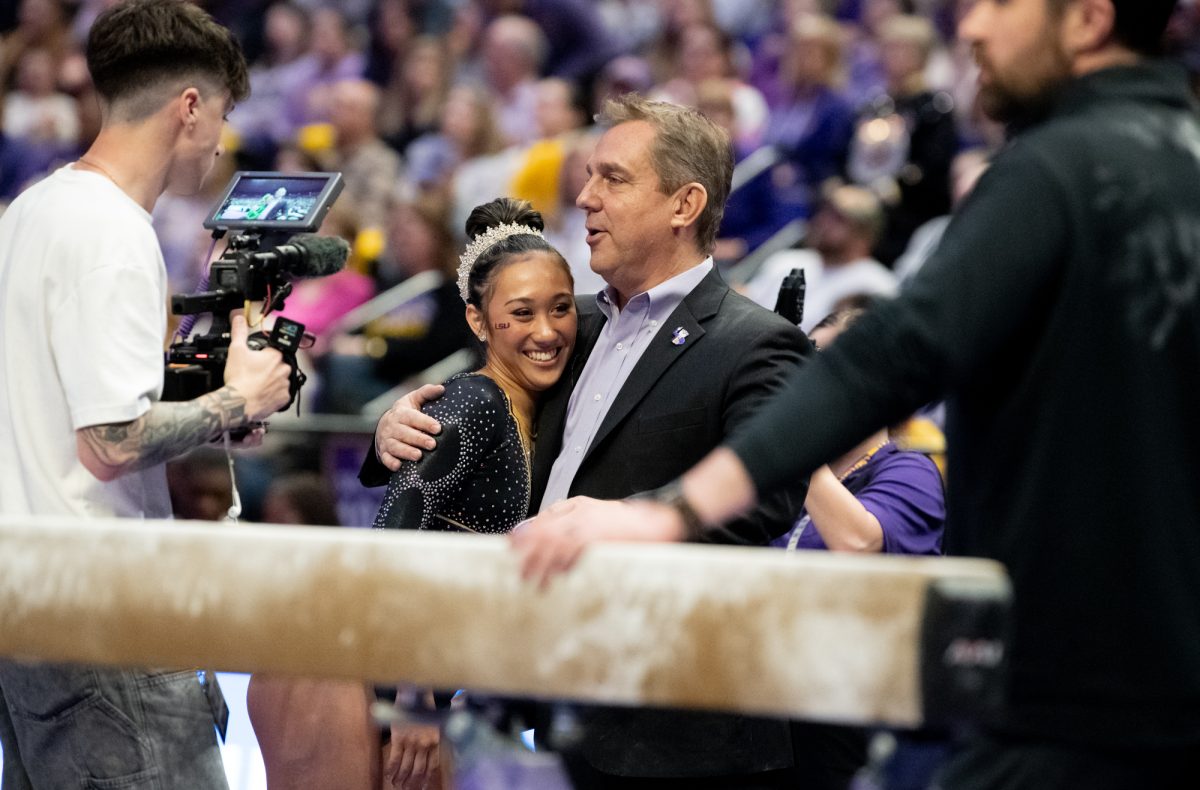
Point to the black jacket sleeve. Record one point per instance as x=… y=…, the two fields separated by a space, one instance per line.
x=760 y=377
x=373 y=473
x=984 y=288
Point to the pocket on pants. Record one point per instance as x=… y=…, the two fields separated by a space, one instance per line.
x=75 y=734
x=179 y=724
x=174 y=704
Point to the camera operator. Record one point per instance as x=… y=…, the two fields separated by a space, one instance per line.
x=83 y=291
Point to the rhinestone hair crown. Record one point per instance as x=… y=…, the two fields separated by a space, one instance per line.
x=484 y=241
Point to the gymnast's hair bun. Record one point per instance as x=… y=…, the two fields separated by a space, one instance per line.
x=503 y=211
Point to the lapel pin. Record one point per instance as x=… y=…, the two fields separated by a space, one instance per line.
x=679 y=336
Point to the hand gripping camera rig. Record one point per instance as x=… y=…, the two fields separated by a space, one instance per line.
x=266 y=211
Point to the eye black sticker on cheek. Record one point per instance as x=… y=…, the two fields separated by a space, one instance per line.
x=502 y=326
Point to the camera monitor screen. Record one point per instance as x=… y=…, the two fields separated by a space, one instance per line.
x=292 y=202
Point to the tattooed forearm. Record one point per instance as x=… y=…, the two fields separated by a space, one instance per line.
x=167 y=430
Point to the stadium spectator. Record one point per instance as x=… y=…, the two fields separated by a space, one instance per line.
x=864 y=60
x=837 y=262
x=40 y=24
x=750 y=212
x=875 y=497
x=513 y=51
x=812 y=124
x=578 y=43
x=621 y=75
x=370 y=167
x=392 y=31
x=36 y=111
x=965 y=170
x=266 y=120
x=559 y=112
x=332 y=57
x=706 y=52
x=467 y=129
x=415 y=92
x=904 y=142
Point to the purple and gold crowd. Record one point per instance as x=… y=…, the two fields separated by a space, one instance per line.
x=859 y=114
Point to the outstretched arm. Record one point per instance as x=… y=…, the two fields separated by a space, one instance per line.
x=716 y=489
x=167 y=430
x=256 y=386
x=982 y=289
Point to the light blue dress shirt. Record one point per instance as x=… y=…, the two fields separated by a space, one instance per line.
x=623 y=339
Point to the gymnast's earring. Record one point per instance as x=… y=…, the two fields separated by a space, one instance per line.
x=482 y=337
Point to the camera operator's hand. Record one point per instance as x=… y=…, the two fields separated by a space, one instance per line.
x=261 y=377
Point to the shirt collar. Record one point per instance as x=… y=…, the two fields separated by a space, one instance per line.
x=662 y=298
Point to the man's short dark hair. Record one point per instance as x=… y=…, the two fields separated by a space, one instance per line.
x=140 y=45
x=1138 y=24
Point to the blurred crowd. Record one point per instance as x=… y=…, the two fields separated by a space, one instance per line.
x=857 y=116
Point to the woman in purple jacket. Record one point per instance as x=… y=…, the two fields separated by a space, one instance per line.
x=876 y=497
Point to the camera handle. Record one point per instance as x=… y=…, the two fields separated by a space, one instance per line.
x=285 y=336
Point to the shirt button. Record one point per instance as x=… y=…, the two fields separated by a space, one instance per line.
x=596 y=398
x=653 y=323
x=620 y=346
x=579 y=449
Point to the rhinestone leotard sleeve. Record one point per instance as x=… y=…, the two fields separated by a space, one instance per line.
x=476 y=480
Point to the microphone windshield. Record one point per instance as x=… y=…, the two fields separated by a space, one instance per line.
x=318 y=255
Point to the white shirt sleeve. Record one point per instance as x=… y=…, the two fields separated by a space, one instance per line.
x=107 y=341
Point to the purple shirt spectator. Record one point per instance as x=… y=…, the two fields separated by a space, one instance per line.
x=310 y=80
x=813 y=133
x=276 y=105
x=903 y=490
x=580 y=44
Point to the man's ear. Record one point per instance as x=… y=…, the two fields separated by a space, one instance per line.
x=187 y=105
x=689 y=202
x=1087 y=26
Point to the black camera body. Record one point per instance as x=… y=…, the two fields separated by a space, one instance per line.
x=790 y=302
x=259 y=264
x=196 y=365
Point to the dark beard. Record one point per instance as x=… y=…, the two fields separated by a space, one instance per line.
x=1019 y=112
x=1020 y=106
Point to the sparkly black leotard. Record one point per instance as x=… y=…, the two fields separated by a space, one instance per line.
x=478 y=477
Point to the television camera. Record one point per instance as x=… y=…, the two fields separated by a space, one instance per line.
x=272 y=216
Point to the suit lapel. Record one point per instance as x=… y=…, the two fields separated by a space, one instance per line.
x=696 y=308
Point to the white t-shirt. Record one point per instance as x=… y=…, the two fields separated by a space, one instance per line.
x=83 y=294
x=824 y=286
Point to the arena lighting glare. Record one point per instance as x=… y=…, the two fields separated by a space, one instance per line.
x=273 y=216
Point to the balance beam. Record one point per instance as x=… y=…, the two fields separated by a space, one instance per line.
x=889 y=640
